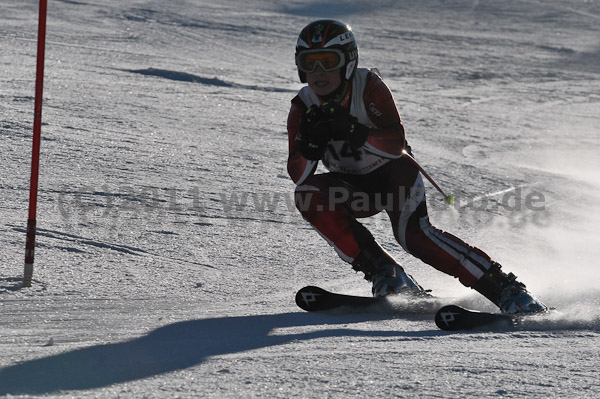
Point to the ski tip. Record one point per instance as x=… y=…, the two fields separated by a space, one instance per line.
x=453 y=318
x=307 y=297
x=446 y=317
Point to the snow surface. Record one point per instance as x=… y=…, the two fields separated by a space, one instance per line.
x=169 y=249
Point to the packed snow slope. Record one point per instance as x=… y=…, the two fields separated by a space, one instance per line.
x=169 y=248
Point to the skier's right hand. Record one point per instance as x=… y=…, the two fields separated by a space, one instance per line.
x=315 y=134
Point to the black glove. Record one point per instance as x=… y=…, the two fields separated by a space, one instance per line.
x=315 y=134
x=343 y=125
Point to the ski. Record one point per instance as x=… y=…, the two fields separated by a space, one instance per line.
x=316 y=299
x=454 y=318
x=448 y=318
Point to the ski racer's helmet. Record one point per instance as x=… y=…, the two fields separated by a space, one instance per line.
x=329 y=43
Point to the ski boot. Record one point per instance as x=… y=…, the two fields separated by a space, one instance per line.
x=387 y=276
x=510 y=295
x=392 y=279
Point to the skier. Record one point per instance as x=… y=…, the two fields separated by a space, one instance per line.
x=346 y=118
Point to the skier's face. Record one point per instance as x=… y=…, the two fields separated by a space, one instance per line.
x=322 y=82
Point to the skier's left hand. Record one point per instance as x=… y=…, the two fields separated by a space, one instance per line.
x=344 y=126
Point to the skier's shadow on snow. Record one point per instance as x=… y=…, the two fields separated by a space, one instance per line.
x=174 y=347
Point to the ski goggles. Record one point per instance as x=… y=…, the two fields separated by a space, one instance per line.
x=328 y=60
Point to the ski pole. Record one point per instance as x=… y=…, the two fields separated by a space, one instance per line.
x=448 y=199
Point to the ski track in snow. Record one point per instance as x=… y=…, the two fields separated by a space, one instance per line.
x=169 y=249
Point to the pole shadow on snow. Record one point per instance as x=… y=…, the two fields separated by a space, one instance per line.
x=173 y=347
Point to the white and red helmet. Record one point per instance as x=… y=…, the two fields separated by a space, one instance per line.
x=324 y=36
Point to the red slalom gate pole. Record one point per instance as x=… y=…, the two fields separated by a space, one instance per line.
x=35 y=155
